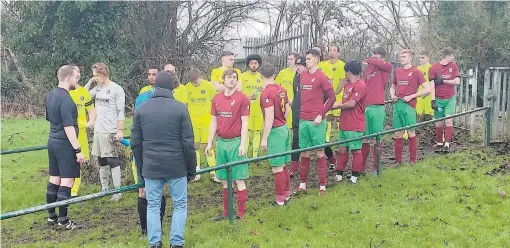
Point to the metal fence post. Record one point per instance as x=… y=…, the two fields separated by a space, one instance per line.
x=488 y=126
x=378 y=149
x=230 y=196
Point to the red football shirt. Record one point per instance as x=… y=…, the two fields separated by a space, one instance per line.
x=376 y=77
x=407 y=82
x=448 y=72
x=354 y=119
x=228 y=111
x=275 y=95
x=313 y=92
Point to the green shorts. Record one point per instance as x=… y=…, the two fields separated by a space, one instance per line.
x=375 y=116
x=310 y=134
x=353 y=145
x=278 y=142
x=403 y=114
x=227 y=150
x=445 y=107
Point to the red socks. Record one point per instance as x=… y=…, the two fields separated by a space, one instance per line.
x=357 y=162
x=448 y=134
x=398 y=150
x=365 y=150
x=303 y=169
x=242 y=197
x=439 y=134
x=342 y=161
x=279 y=186
x=225 y=202
x=413 y=148
x=293 y=166
x=374 y=155
x=287 y=182
x=323 y=170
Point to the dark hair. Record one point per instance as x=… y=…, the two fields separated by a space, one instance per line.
x=229 y=72
x=314 y=53
x=353 y=67
x=380 y=50
x=337 y=47
x=194 y=74
x=65 y=71
x=154 y=67
x=425 y=53
x=296 y=55
x=267 y=70
x=101 y=69
x=253 y=57
x=226 y=53
x=447 y=51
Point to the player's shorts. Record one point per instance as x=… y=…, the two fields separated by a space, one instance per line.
x=424 y=105
x=403 y=114
x=103 y=145
x=201 y=134
x=310 y=134
x=255 y=123
x=278 y=142
x=353 y=145
x=375 y=119
x=227 y=150
x=445 y=107
x=83 y=141
x=62 y=159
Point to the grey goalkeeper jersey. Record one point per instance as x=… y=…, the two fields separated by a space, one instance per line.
x=109 y=104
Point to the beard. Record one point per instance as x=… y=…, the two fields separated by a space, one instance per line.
x=72 y=86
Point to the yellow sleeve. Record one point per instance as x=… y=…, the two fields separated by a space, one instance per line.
x=240 y=79
x=279 y=77
x=182 y=95
x=210 y=89
x=215 y=75
x=341 y=73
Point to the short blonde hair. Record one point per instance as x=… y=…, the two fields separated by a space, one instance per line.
x=101 y=68
x=410 y=51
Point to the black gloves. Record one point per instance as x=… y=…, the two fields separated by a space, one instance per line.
x=190 y=177
x=434 y=105
x=438 y=79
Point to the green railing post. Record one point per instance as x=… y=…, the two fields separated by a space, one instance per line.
x=378 y=149
x=230 y=196
x=488 y=126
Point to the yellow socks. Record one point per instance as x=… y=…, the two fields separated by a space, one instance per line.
x=76 y=187
x=256 y=143
x=328 y=131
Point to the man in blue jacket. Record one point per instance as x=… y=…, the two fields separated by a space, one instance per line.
x=162 y=143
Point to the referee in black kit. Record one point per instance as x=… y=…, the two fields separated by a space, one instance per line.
x=64 y=152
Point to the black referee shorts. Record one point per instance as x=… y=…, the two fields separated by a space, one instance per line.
x=62 y=159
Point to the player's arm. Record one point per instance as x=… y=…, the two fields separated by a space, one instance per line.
x=120 y=106
x=245 y=108
x=212 y=131
x=188 y=143
x=89 y=106
x=287 y=109
x=357 y=94
x=432 y=77
x=136 y=143
x=66 y=111
x=426 y=87
x=341 y=85
x=268 y=121
x=330 y=94
x=393 y=88
x=381 y=64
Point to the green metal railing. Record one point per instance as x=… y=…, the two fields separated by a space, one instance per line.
x=228 y=166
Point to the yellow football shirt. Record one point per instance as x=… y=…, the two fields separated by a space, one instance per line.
x=425 y=69
x=145 y=89
x=81 y=97
x=217 y=74
x=252 y=83
x=325 y=66
x=180 y=94
x=199 y=102
x=285 y=78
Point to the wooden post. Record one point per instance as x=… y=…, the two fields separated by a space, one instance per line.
x=507 y=83
x=486 y=100
x=496 y=103
x=474 y=97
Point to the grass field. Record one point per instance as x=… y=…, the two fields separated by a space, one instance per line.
x=443 y=201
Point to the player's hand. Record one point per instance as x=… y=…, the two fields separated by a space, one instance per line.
x=438 y=80
x=263 y=145
x=242 y=150
x=407 y=98
x=119 y=135
x=337 y=105
x=317 y=120
x=394 y=98
x=90 y=124
x=434 y=105
x=253 y=96
x=208 y=150
x=80 y=158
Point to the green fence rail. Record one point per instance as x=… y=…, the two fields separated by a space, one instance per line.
x=228 y=166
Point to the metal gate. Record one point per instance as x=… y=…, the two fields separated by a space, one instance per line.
x=274 y=49
x=467 y=95
x=496 y=93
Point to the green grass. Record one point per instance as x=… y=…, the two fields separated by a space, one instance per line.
x=442 y=201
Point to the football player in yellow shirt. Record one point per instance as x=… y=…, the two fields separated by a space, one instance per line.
x=200 y=95
x=423 y=104
x=84 y=104
x=227 y=62
x=179 y=91
x=337 y=68
x=151 y=75
x=285 y=78
x=252 y=87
